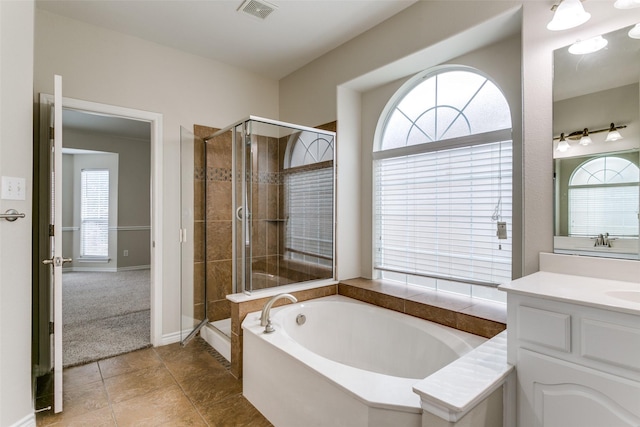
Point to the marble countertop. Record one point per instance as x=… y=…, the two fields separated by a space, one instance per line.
x=606 y=294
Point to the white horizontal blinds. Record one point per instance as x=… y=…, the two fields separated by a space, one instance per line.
x=599 y=210
x=94 y=211
x=309 y=183
x=435 y=213
x=603 y=198
x=309 y=226
x=443 y=179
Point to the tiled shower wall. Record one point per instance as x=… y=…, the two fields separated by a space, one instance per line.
x=216 y=213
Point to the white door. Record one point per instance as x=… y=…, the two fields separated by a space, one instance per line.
x=55 y=235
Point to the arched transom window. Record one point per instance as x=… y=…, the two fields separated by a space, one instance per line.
x=443 y=182
x=603 y=198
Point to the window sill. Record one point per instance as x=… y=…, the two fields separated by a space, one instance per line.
x=94 y=259
x=484 y=318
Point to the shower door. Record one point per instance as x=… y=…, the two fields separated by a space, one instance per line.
x=193 y=304
x=242 y=205
x=283 y=192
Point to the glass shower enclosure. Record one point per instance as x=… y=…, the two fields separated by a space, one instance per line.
x=260 y=202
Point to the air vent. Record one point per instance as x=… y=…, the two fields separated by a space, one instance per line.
x=259 y=9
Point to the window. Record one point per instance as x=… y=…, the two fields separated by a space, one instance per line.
x=603 y=198
x=443 y=179
x=94 y=213
x=308 y=183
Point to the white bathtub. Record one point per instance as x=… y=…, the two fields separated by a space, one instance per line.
x=350 y=364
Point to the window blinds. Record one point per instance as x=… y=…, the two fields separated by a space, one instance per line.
x=309 y=199
x=437 y=212
x=603 y=209
x=94 y=212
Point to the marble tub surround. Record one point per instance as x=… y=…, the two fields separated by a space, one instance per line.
x=483 y=318
x=456 y=390
x=479 y=317
x=242 y=304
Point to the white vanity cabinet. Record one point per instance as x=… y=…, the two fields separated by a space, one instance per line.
x=577 y=359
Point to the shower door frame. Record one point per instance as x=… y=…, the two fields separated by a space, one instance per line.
x=246 y=185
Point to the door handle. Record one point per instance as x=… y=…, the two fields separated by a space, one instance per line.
x=57 y=261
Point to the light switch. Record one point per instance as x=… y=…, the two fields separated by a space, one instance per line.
x=14 y=188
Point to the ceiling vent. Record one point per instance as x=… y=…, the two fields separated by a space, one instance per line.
x=259 y=9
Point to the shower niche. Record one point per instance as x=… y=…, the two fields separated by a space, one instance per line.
x=257 y=213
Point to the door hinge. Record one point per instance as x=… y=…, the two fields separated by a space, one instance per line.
x=51 y=230
x=51 y=132
x=50 y=328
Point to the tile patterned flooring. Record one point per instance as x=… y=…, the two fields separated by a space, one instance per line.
x=163 y=386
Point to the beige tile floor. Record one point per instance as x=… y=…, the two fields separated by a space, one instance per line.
x=163 y=386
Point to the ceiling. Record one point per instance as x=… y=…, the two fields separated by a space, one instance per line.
x=294 y=34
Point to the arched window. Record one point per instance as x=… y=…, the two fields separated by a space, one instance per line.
x=308 y=193
x=603 y=198
x=443 y=182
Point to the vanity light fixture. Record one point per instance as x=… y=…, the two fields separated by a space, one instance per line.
x=563 y=145
x=586 y=139
x=582 y=47
x=626 y=4
x=584 y=136
x=568 y=14
x=634 y=33
x=613 y=134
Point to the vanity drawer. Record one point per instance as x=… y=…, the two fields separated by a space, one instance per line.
x=610 y=343
x=545 y=328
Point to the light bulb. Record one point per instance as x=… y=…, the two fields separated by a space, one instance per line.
x=626 y=4
x=563 y=145
x=591 y=45
x=613 y=134
x=568 y=14
x=586 y=139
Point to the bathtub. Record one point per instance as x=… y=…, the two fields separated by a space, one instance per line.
x=348 y=364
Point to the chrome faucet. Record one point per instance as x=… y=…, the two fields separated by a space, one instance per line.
x=264 y=317
x=603 y=240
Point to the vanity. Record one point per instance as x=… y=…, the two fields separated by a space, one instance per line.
x=574 y=337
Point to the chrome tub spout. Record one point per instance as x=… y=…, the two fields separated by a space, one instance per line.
x=264 y=317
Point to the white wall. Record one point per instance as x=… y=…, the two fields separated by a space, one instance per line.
x=107 y=67
x=501 y=62
x=16 y=123
x=439 y=27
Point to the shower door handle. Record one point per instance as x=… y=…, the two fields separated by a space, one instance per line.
x=239 y=213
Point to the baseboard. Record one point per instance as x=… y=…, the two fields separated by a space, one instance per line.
x=134 y=267
x=216 y=339
x=106 y=270
x=171 y=338
x=27 y=421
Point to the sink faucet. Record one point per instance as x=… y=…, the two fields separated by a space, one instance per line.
x=264 y=317
x=603 y=240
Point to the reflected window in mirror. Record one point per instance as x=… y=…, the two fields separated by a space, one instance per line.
x=603 y=198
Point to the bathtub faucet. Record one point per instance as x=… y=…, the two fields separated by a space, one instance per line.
x=264 y=317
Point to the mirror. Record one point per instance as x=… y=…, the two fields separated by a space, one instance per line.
x=596 y=206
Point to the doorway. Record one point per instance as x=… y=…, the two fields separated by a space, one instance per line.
x=121 y=259
x=106 y=220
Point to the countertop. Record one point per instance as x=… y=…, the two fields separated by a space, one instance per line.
x=606 y=294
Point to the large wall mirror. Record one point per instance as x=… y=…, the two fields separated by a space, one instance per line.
x=596 y=142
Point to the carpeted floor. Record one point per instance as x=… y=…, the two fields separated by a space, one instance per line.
x=104 y=314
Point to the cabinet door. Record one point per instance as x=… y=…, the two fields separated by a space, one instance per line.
x=556 y=393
